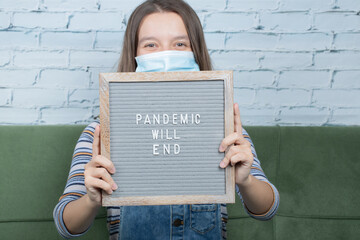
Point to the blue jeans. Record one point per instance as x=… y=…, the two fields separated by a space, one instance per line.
x=196 y=221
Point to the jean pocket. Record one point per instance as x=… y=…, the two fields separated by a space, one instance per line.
x=202 y=217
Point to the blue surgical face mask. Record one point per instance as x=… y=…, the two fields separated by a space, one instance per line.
x=167 y=61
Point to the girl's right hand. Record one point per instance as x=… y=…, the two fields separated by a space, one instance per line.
x=97 y=172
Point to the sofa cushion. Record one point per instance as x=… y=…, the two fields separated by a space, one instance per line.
x=319 y=172
x=35 y=162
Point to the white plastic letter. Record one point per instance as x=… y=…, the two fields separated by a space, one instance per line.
x=147 y=119
x=174 y=118
x=184 y=119
x=176 y=148
x=165 y=118
x=167 y=148
x=155 y=149
x=197 y=118
x=138 y=118
x=155 y=133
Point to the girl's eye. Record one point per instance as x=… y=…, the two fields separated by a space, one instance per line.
x=150 y=45
x=180 y=45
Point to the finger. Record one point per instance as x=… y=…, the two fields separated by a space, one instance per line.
x=101 y=161
x=96 y=141
x=104 y=175
x=237 y=120
x=230 y=139
x=226 y=160
x=100 y=184
x=239 y=157
x=233 y=138
x=232 y=151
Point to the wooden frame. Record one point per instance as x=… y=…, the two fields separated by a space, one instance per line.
x=227 y=78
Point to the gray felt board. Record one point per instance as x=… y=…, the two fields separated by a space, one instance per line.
x=185 y=161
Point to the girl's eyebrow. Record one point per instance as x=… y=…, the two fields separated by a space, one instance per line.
x=147 y=38
x=180 y=37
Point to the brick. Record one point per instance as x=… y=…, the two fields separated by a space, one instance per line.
x=215 y=40
x=93 y=58
x=304 y=115
x=229 y=21
x=40 y=58
x=206 y=4
x=109 y=40
x=273 y=60
x=285 y=21
x=304 y=79
x=346 y=116
x=306 y=5
x=18 y=39
x=65 y=115
x=251 y=5
x=4 y=58
x=340 y=98
x=67 y=40
x=5 y=96
x=97 y=21
x=17 y=78
x=11 y=115
x=65 y=5
x=94 y=79
x=40 y=19
x=349 y=5
x=283 y=97
x=253 y=78
x=19 y=4
x=84 y=97
x=53 y=78
x=349 y=41
x=4 y=20
x=234 y=60
x=336 y=21
x=201 y=16
x=346 y=79
x=31 y=97
x=257 y=116
x=305 y=41
x=126 y=6
x=337 y=60
x=244 y=96
x=95 y=112
x=253 y=41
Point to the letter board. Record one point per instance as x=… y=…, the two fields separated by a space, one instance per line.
x=162 y=131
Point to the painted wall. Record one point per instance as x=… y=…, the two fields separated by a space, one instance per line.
x=296 y=62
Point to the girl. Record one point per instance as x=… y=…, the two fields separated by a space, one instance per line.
x=169 y=33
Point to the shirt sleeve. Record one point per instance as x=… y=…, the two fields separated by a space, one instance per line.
x=257 y=172
x=75 y=186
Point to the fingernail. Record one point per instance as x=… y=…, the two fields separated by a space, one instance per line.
x=113 y=170
x=114 y=186
x=221 y=149
x=222 y=164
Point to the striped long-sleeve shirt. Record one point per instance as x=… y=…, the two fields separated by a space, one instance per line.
x=75 y=188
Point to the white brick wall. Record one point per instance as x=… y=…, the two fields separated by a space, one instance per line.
x=295 y=62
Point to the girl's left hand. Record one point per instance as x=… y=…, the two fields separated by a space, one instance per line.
x=240 y=153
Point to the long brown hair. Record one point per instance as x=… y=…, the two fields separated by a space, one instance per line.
x=192 y=23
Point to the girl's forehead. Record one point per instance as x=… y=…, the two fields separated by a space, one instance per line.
x=162 y=24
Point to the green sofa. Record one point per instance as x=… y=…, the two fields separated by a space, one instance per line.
x=316 y=170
